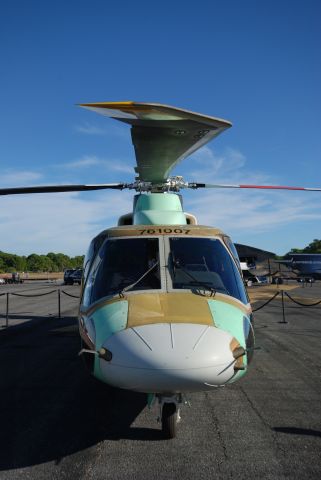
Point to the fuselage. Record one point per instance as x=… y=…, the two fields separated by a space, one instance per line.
x=164 y=309
x=304 y=264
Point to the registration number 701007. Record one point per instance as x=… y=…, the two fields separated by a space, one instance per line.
x=162 y=231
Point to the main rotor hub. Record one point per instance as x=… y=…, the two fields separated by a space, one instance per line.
x=172 y=184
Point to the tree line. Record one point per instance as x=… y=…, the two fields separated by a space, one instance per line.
x=313 y=247
x=52 y=262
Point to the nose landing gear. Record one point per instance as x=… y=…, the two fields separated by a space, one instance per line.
x=170 y=418
x=170 y=414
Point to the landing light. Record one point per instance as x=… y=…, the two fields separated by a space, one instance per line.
x=238 y=352
x=105 y=354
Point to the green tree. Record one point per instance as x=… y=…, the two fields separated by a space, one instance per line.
x=60 y=260
x=52 y=262
x=78 y=261
x=313 y=247
x=12 y=263
x=35 y=263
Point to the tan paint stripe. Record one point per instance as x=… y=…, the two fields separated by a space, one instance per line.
x=152 y=308
x=176 y=304
x=239 y=364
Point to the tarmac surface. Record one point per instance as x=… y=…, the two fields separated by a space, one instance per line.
x=57 y=422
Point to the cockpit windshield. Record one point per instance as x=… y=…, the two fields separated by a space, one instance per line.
x=121 y=265
x=205 y=263
x=130 y=264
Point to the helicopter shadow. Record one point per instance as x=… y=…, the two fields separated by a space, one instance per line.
x=50 y=406
x=298 y=431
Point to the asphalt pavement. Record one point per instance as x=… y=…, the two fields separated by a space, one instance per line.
x=57 y=422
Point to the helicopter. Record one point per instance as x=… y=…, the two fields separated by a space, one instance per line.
x=163 y=307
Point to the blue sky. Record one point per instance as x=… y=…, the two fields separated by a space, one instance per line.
x=255 y=63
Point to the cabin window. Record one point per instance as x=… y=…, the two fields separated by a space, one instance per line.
x=94 y=246
x=230 y=245
x=205 y=263
x=123 y=265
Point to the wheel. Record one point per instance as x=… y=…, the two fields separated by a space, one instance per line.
x=169 y=420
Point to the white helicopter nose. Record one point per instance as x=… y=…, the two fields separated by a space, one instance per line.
x=165 y=357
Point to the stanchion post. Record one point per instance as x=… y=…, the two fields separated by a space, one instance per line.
x=59 y=303
x=7 y=311
x=283 y=310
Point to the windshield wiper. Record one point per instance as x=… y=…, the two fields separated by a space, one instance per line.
x=176 y=264
x=132 y=285
x=197 y=283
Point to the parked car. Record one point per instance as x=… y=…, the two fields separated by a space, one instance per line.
x=262 y=279
x=306 y=280
x=67 y=276
x=76 y=276
x=250 y=279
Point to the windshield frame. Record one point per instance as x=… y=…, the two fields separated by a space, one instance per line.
x=170 y=272
x=88 y=305
x=165 y=269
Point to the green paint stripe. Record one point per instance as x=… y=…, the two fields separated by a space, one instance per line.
x=108 y=320
x=228 y=318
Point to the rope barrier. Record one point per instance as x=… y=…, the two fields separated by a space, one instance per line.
x=69 y=294
x=266 y=303
x=7 y=314
x=35 y=295
x=302 y=304
x=282 y=292
x=39 y=294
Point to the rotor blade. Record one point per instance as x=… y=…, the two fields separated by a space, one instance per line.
x=162 y=135
x=60 y=188
x=260 y=187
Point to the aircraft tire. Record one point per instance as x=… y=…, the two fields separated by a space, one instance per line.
x=169 y=420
